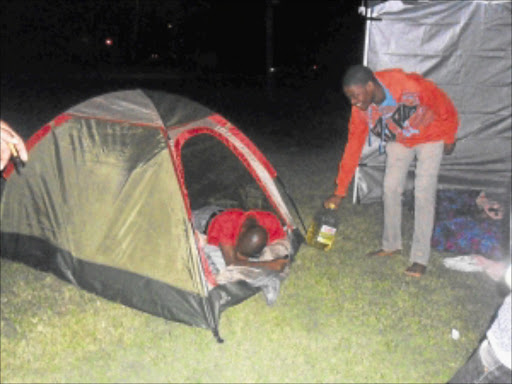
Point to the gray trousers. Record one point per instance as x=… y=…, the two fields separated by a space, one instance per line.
x=399 y=157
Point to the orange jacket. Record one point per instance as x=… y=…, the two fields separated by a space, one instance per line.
x=407 y=88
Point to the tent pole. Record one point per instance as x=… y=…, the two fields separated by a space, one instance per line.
x=269 y=48
x=292 y=202
x=367 y=33
x=354 y=194
x=365 y=62
x=216 y=334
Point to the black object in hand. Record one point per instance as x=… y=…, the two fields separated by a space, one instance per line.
x=18 y=163
x=15 y=158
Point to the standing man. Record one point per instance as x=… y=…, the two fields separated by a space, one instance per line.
x=412 y=118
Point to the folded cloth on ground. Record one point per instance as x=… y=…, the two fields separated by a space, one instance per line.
x=268 y=281
x=275 y=250
x=467 y=263
x=477 y=263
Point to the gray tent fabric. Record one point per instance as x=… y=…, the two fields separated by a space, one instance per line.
x=105 y=202
x=143 y=107
x=465 y=47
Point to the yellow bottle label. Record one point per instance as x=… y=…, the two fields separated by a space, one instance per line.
x=326 y=235
x=322 y=238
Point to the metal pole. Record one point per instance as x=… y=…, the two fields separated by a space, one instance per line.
x=365 y=62
x=269 y=48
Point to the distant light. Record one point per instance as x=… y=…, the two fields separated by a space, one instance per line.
x=315 y=67
x=109 y=42
x=169 y=25
x=271 y=69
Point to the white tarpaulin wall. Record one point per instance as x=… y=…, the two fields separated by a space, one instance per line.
x=465 y=47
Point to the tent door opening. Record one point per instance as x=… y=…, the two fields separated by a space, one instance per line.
x=214 y=175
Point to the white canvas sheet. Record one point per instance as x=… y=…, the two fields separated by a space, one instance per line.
x=465 y=47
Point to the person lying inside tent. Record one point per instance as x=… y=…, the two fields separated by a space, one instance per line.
x=242 y=236
x=240 y=245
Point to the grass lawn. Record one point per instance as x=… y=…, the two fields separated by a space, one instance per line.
x=339 y=318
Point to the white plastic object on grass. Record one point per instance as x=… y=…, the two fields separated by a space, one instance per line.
x=455 y=334
x=463 y=263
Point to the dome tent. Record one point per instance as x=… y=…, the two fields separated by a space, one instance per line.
x=106 y=201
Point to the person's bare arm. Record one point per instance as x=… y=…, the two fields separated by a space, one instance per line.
x=231 y=257
x=228 y=252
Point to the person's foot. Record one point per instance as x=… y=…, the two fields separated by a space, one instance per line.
x=384 y=253
x=416 y=270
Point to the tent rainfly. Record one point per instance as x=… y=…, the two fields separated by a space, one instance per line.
x=106 y=202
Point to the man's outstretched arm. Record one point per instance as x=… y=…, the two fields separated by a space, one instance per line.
x=232 y=257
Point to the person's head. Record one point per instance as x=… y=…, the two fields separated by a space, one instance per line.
x=360 y=86
x=251 y=240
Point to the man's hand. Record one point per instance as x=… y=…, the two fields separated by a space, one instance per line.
x=448 y=148
x=333 y=202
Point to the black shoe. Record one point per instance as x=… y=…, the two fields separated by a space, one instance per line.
x=416 y=270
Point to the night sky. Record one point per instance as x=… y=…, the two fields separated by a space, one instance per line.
x=221 y=36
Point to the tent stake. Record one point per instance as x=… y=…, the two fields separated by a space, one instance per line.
x=292 y=202
x=216 y=334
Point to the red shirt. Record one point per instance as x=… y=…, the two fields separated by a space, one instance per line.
x=225 y=227
x=404 y=87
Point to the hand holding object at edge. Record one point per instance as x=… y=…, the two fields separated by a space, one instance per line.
x=11 y=145
x=333 y=202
